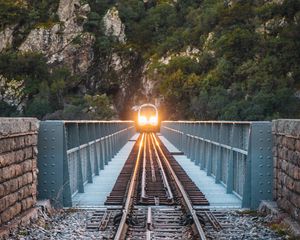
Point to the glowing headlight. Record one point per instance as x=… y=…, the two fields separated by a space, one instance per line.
x=142 y=120
x=153 y=121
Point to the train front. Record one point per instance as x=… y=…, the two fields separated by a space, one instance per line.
x=147 y=120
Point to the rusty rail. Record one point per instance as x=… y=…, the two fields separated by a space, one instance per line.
x=121 y=232
x=186 y=201
x=164 y=176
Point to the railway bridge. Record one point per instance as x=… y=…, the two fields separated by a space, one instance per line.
x=191 y=172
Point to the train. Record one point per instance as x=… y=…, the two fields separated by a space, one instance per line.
x=147 y=118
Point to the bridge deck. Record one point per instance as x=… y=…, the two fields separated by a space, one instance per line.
x=215 y=193
x=95 y=193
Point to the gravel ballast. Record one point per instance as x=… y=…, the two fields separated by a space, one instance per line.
x=71 y=224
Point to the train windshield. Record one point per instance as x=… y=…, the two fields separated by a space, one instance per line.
x=148 y=111
x=148 y=115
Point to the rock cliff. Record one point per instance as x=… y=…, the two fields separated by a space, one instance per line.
x=64 y=42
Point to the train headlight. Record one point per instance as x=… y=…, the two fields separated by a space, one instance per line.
x=142 y=120
x=153 y=121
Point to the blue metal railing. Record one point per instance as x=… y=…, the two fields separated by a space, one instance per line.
x=70 y=153
x=237 y=154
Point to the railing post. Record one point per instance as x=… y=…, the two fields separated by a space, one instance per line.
x=209 y=150
x=73 y=139
x=194 y=144
x=86 y=163
x=99 y=146
x=219 y=154
x=259 y=174
x=230 y=171
x=105 y=144
x=203 y=149
x=54 y=182
x=94 y=138
x=197 y=145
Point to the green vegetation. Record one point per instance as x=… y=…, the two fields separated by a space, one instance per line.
x=26 y=15
x=49 y=90
x=246 y=69
x=11 y=12
x=245 y=63
x=280 y=229
x=43 y=90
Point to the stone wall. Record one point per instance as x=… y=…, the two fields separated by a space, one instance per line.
x=18 y=172
x=287 y=165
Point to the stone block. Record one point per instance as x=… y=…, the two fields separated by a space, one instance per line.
x=2 y=190
x=297 y=187
x=8 y=201
x=17 y=170
x=11 y=212
x=287 y=127
x=19 y=142
x=296 y=173
x=289 y=143
x=25 y=192
x=29 y=153
x=25 y=179
x=293 y=157
x=29 y=178
x=6 y=173
x=34 y=125
x=8 y=158
x=295 y=200
x=278 y=140
x=27 y=203
x=287 y=194
x=7 y=144
x=275 y=153
x=31 y=140
x=290 y=183
x=9 y=186
x=297 y=145
x=284 y=166
x=284 y=153
x=290 y=156
x=26 y=166
x=274 y=127
x=296 y=158
x=33 y=190
x=10 y=126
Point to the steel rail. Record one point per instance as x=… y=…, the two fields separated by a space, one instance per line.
x=153 y=175
x=143 y=194
x=123 y=226
x=162 y=171
x=185 y=197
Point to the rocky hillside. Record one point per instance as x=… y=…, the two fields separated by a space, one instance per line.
x=197 y=59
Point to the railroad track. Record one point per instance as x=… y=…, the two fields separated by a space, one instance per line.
x=155 y=196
